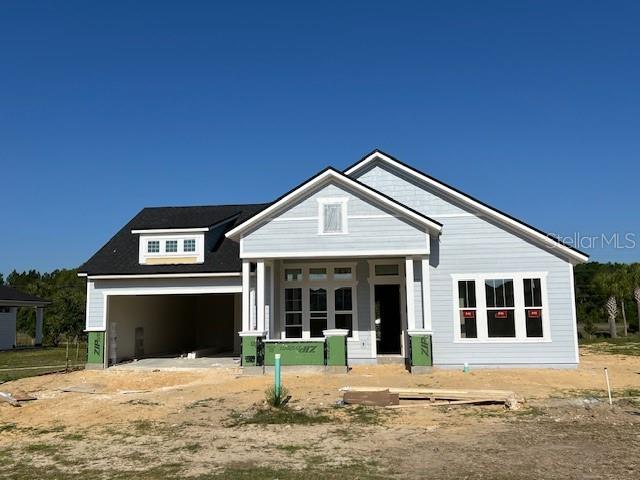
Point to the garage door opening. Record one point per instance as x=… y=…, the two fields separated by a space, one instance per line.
x=172 y=326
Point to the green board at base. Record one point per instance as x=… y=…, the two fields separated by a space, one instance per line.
x=95 y=348
x=421 y=353
x=294 y=353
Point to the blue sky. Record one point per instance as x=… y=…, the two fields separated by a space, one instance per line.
x=107 y=107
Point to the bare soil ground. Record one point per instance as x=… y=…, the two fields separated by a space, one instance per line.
x=213 y=424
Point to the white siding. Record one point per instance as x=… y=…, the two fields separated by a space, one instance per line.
x=473 y=244
x=369 y=228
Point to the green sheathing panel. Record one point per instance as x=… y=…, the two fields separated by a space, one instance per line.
x=95 y=348
x=295 y=353
x=337 y=351
x=251 y=351
x=421 y=353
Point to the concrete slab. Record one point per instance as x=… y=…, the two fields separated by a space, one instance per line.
x=179 y=363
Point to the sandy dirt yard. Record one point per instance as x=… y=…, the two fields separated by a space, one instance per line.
x=214 y=424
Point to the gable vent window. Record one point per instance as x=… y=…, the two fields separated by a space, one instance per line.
x=153 y=246
x=189 y=245
x=171 y=246
x=333 y=216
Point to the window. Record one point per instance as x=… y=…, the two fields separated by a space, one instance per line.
x=153 y=246
x=171 y=246
x=5 y=309
x=317 y=311
x=293 y=312
x=385 y=270
x=293 y=274
x=344 y=309
x=533 y=307
x=468 y=309
x=318 y=297
x=189 y=245
x=342 y=273
x=501 y=320
x=317 y=274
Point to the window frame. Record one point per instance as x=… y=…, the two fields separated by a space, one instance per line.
x=144 y=240
x=342 y=202
x=518 y=308
x=330 y=284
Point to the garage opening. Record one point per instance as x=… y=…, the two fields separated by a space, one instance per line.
x=171 y=326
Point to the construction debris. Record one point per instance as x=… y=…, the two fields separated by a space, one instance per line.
x=379 y=398
x=8 y=398
x=436 y=397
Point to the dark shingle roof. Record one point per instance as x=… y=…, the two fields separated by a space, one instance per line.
x=119 y=256
x=9 y=294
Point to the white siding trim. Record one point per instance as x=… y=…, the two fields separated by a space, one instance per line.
x=573 y=312
x=338 y=253
x=426 y=294
x=164 y=275
x=411 y=305
x=171 y=230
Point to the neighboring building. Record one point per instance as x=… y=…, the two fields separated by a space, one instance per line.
x=10 y=300
x=403 y=265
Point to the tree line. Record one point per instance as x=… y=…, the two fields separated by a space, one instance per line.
x=607 y=300
x=64 y=317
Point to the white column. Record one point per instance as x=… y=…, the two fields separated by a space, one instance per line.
x=272 y=297
x=260 y=294
x=39 y=322
x=246 y=308
x=411 y=305
x=426 y=294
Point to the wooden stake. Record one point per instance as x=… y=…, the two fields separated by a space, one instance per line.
x=606 y=375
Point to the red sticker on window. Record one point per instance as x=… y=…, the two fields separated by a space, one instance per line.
x=468 y=314
x=534 y=313
x=502 y=314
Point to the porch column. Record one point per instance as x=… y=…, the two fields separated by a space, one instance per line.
x=411 y=306
x=39 y=322
x=246 y=285
x=426 y=294
x=260 y=295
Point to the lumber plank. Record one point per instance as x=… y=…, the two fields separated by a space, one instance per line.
x=379 y=398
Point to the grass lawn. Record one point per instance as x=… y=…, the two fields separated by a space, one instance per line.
x=46 y=359
x=613 y=346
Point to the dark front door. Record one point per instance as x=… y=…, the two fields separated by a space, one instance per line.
x=387 y=318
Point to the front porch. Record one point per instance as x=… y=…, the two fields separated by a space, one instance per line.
x=335 y=312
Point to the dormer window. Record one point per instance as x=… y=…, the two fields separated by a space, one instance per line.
x=168 y=248
x=153 y=246
x=171 y=246
x=189 y=245
x=332 y=216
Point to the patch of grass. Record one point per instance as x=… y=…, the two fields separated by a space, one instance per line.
x=47 y=430
x=42 y=358
x=277 y=416
x=276 y=399
x=7 y=427
x=45 y=448
x=367 y=415
x=613 y=346
x=73 y=437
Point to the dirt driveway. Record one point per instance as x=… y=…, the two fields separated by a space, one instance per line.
x=212 y=424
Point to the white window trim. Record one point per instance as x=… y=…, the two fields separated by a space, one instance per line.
x=342 y=201
x=481 y=307
x=330 y=284
x=145 y=239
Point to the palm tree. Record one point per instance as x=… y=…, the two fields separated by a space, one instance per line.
x=635 y=282
x=606 y=283
x=612 y=312
x=622 y=286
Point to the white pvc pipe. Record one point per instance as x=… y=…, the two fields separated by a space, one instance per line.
x=606 y=375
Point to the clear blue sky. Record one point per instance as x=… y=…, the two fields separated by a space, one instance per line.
x=107 y=107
